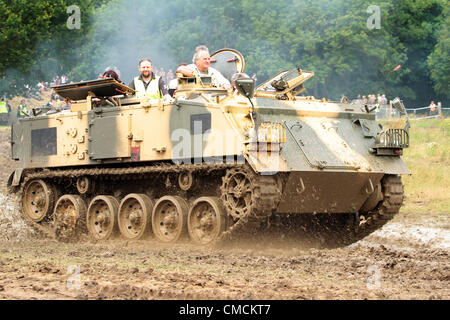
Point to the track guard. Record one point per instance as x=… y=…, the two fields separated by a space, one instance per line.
x=15 y=178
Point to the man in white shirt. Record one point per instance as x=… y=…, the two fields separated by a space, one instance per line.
x=201 y=65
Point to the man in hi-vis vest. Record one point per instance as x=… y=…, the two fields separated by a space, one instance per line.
x=22 y=110
x=148 y=84
x=5 y=109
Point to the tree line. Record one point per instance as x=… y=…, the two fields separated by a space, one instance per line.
x=406 y=54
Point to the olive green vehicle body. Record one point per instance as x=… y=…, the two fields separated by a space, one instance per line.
x=325 y=150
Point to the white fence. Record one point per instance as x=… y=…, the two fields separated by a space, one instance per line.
x=386 y=112
x=427 y=113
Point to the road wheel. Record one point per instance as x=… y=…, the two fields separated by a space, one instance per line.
x=102 y=217
x=85 y=185
x=206 y=220
x=69 y=217
x=169 y=218
x=38 y=200
x=135 y=213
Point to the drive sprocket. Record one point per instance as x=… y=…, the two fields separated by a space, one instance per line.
x=248 y=198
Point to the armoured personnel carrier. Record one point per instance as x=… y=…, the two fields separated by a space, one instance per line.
x=209 y=164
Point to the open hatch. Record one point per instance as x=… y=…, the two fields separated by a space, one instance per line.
x=285 y=85
x=108 y=87
x=228 y=62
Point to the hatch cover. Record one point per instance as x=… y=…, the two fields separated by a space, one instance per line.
x=228 y=62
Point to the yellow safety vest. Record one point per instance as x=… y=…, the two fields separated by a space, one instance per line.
x=3 y=107
x=152 y=91
x=23 y=111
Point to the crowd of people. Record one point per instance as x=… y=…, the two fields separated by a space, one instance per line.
x=60 y=80
x=166 y=76
x=372 y=99
x=37 y=91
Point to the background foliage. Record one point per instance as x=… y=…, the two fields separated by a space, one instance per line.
x=329 y=37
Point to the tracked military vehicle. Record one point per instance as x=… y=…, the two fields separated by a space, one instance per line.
x=209 y=164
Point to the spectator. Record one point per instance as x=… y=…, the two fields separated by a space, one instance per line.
x=432 y=108
x=41 y=87
x=357 y=99
x=170 y=75
x=379 y=99
x=22 y=110
x=163 y=75
x=173 y=84
x=364 y=100
x=5 y=109
x=156 y=72
x=111 y=74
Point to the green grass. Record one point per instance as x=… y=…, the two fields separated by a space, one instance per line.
x=428 y=158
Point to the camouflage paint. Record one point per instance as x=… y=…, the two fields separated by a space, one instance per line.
x=326 y=150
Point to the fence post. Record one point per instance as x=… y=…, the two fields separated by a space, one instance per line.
x=440 y=110
x=390 y=110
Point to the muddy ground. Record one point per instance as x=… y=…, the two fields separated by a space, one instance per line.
x=407 y=259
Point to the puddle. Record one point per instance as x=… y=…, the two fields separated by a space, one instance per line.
x=435 y=238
